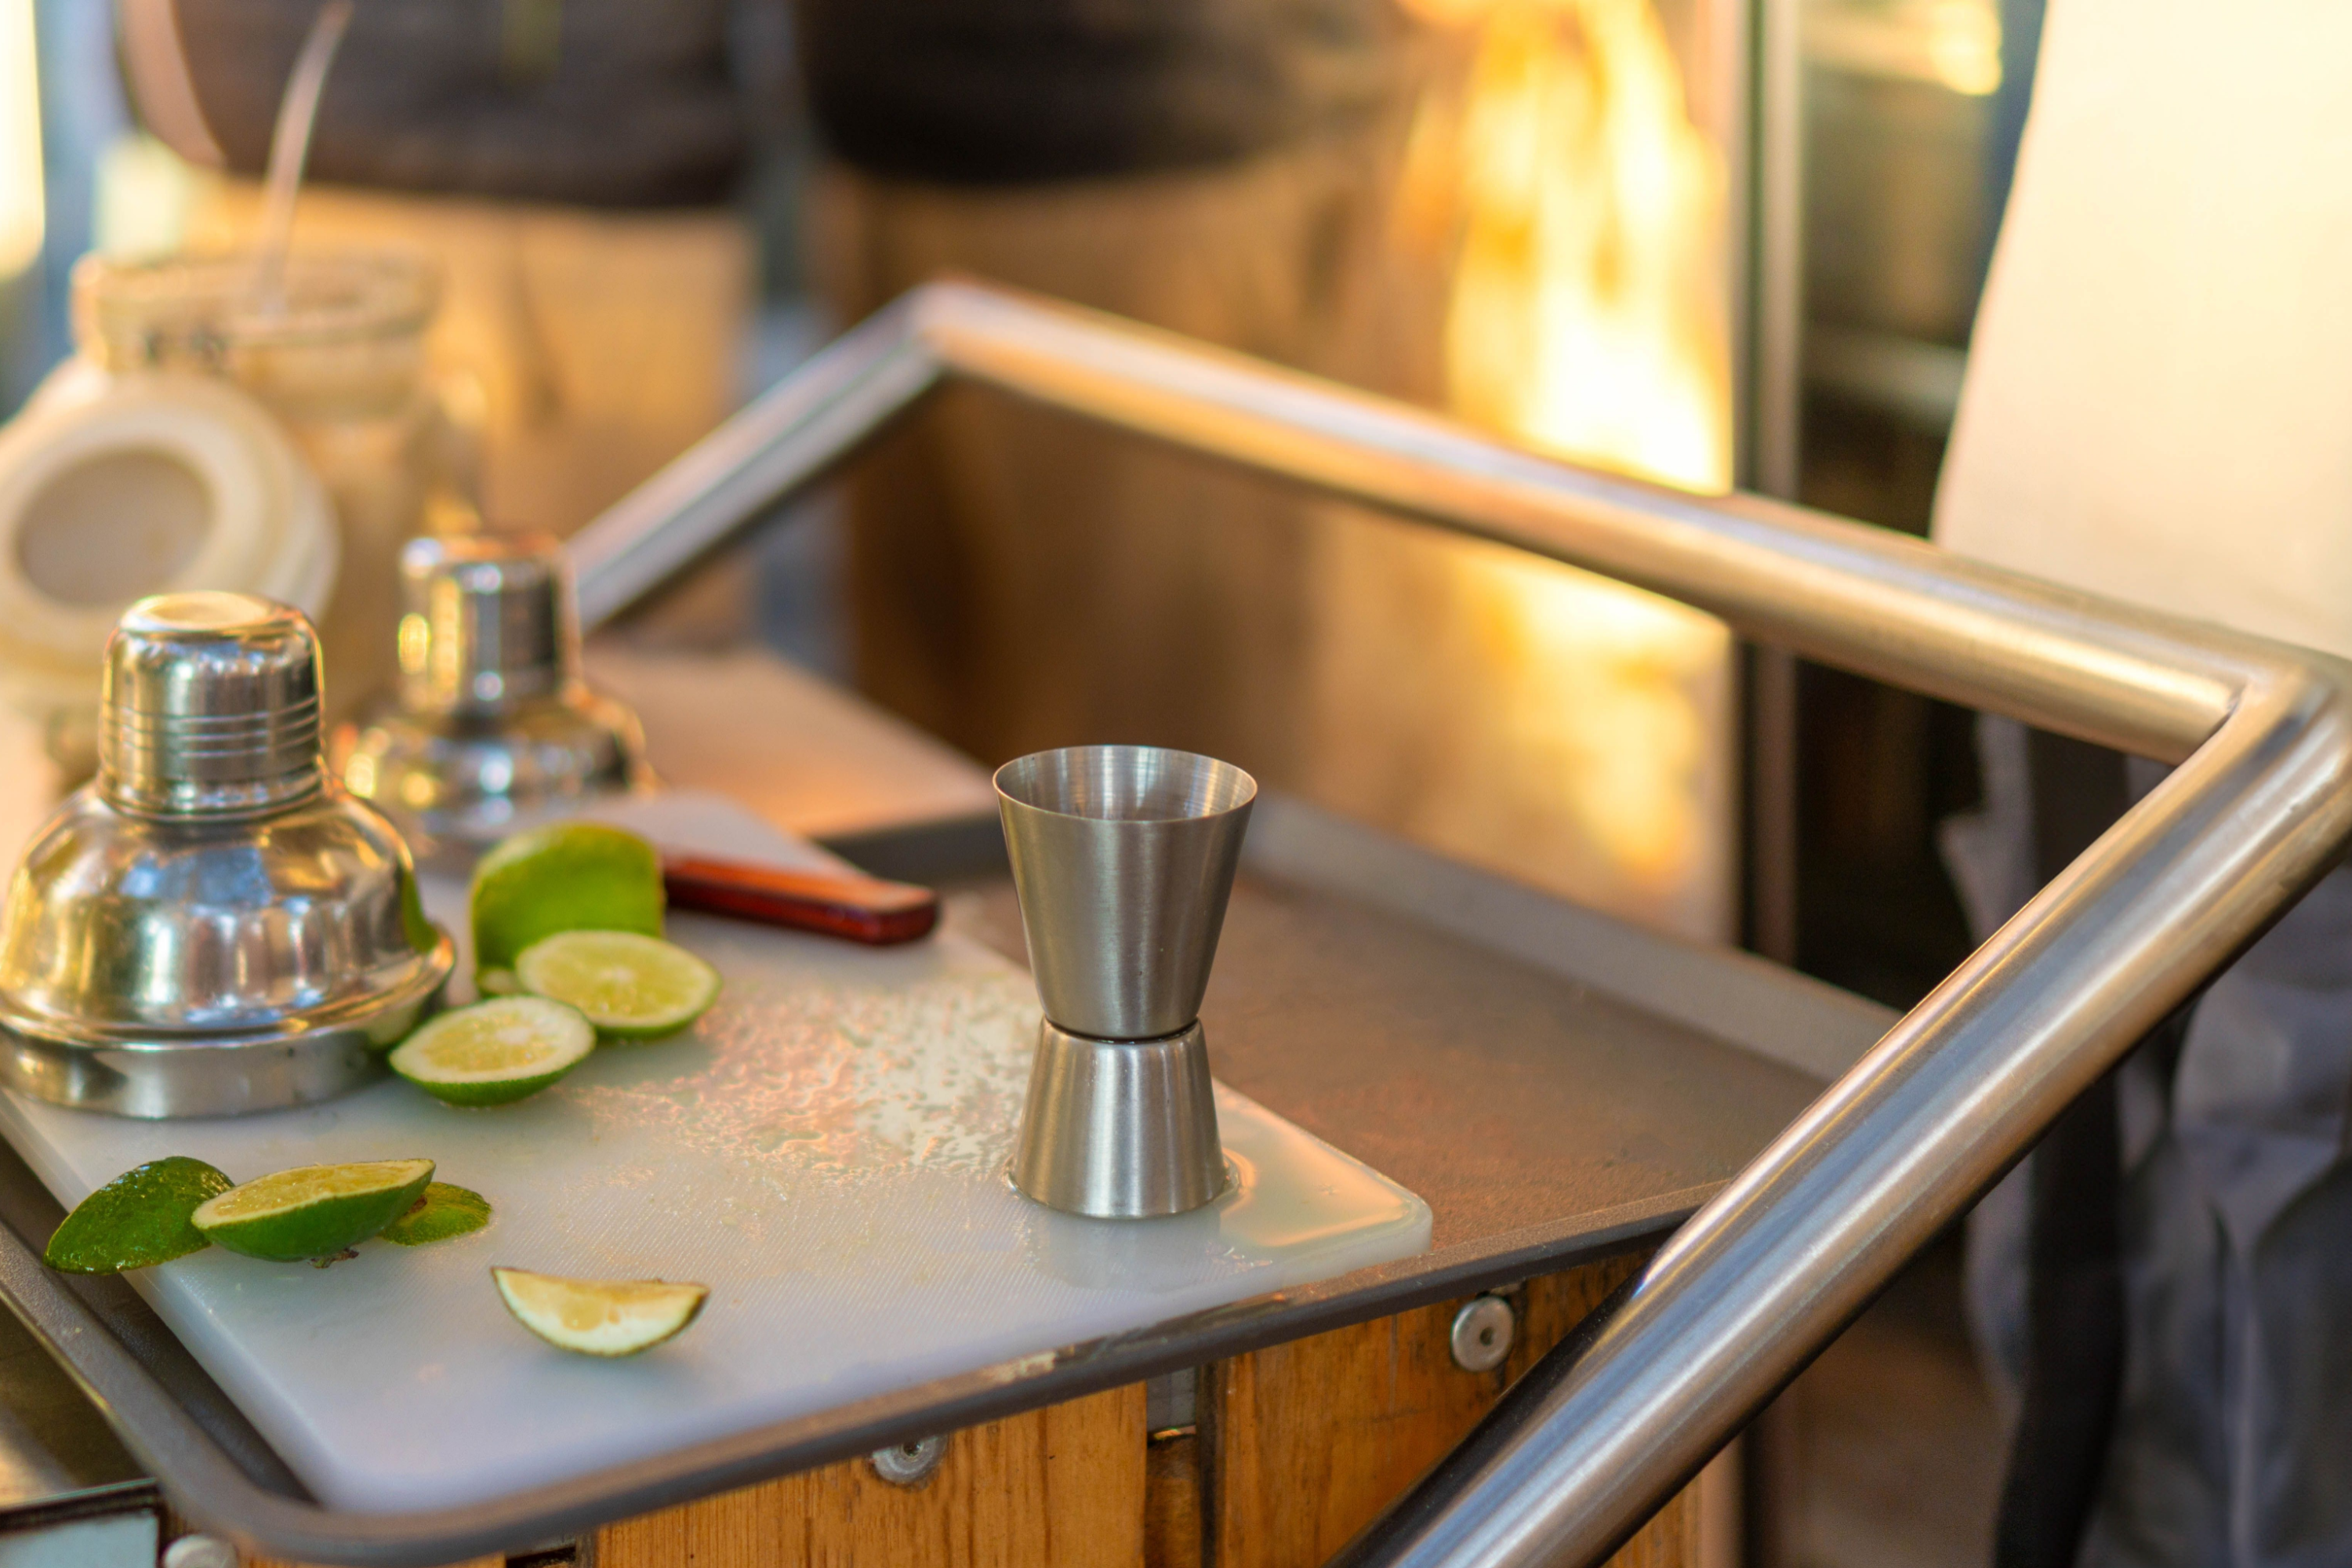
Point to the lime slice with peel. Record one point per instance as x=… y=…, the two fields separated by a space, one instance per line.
x=495 y=1051
x=137 y=1220
x=635 y=987
x=566 y=876
x=314 y=1210
x=445 y=1213
x=599 y=1317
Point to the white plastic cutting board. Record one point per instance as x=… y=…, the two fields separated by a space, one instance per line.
x=825 y=1151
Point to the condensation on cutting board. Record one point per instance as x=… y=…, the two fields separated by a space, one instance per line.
x=826 y=1150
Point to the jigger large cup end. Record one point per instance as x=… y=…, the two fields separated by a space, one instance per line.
x=1123 y=858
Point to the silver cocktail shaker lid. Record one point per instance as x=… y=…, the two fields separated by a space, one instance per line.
x=490 y=725
x=209 y=708
x=484 y=623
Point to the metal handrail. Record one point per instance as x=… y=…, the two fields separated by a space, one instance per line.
x=1588 y=1445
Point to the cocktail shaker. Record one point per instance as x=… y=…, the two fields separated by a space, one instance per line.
x=490 y=723
x=211 y=926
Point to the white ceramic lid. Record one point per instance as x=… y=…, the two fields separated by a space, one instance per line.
x=143 y=484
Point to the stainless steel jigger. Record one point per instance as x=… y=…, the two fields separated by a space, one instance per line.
x=211 y=926
x=1123 y=858
x=490 y=721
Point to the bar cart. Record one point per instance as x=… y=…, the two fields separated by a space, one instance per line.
x=1646 y=1212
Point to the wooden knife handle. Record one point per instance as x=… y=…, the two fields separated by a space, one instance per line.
x=860 y=909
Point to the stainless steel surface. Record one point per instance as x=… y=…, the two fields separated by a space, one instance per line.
x=210 y=927
x=1482 y=1333
x=1772 y=410
x=908 y=1464
x=1171 y=1403
x=484 y=623
x=1613 y=1082
x=1119 y=1129
x=209 y=708
x=1771 y=413
x=491 y=722
x=1124 y=857
x=735 y=475
x=2260 y=805
x=54 y=1444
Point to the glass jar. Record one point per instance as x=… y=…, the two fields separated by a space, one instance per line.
x=339 y=360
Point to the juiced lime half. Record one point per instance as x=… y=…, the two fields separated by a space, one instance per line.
x=495 y=1051
x=446 y=1212
x=137 y=1220
x=566 y=876
x=599 y=1317
x=638 y=987
x=314 y=1210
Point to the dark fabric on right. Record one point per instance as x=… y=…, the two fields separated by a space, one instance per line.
x=2074 y=1293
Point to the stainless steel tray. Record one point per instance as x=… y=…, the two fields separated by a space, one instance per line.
x=1559 y=1086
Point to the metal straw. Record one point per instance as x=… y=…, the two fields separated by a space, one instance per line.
x=290 y=149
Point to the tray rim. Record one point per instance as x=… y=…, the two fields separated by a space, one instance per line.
x=1290 y=841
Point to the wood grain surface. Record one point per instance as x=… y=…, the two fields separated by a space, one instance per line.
x=1308 y=1441
x=1060 y=1488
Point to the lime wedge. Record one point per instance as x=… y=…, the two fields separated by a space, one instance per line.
x=315 y=1211
x=443 y=1213
x=566 y=876
x=637 y=987
x=598 y=1317
x=137 y=1220
x=495 y=1051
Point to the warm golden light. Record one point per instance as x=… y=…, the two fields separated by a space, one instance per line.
x=1584 y=214
x=1587 y=309
x=1954 y=44
x=22 y=219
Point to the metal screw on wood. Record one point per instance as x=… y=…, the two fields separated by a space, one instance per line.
x=200 y=1552
x=1483 y=1331
x=908 y=1464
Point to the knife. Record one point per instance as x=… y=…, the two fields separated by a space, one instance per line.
x=855 y=907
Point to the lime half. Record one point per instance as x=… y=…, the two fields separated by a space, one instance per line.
x=444 y=1212
x=315 y=1211
x=495 y=1051
x=566 y=876
x=137 y=1220
x=599 y=1317
x=638 y=987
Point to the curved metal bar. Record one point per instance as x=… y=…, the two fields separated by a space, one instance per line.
x=1573 y=1460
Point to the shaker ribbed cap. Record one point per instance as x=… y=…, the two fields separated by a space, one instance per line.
x=210 y=707
x=484 y=622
